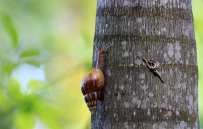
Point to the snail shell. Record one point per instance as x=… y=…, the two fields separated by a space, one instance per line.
x=91 y=87
x=91 y=100
x=93 y=81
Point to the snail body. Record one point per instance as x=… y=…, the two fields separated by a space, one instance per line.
x=93 y=83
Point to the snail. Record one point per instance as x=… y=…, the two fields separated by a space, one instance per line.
x=93 y=83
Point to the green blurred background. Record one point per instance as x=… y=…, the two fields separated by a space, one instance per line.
x=45 y=51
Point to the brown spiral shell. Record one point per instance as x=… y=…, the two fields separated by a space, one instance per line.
x=93 y=81
x=91 y=100
x=91 y=87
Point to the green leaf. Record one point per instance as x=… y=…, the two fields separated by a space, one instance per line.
x=13 y=90
x=34 y=85
x=24 y=121
x=10 y=28
x=8 y=67
x=30 y=53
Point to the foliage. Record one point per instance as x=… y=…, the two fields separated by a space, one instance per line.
x=46 y=49
x=40 y=70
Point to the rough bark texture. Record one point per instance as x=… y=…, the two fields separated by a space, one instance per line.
x=161 y=30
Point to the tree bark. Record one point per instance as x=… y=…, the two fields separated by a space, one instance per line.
x=133 y=97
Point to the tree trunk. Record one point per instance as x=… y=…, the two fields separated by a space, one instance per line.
x=133 y=96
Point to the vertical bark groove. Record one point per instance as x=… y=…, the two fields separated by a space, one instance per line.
x=161 y=30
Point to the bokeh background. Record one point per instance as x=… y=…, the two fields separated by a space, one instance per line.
x=45 y=51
